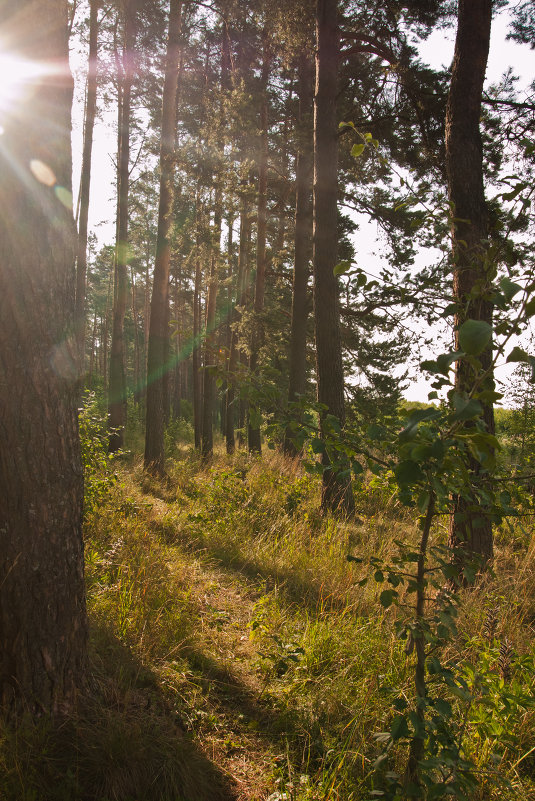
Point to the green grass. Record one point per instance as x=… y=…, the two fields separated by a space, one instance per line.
x=234 y=655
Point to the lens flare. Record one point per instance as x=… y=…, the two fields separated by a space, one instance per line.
x=18 y=77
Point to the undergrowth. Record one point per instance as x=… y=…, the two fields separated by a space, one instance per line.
x=235 y=655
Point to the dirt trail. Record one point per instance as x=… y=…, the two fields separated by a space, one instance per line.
x=230 y=713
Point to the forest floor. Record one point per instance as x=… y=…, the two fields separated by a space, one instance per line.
x=236 y=655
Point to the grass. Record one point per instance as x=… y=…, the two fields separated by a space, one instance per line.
x=235 y=656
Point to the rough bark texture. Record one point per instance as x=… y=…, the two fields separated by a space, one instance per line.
x=464 y=165
x=209 y=395
x=117 y=384
x=158 y=347
x=208 y=400
x=196 y=356
x=302 y=241
x=241 y=299
x=85 y=182
x=43 y=626
x=336 y=493
x=254 y=439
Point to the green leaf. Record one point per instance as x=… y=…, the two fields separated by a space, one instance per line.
x=474 y=336
x=423 y=501
x=450 y=310
x=514 y=192
x=442 y=364
x=387 y=597
x=489 y=396
x=408 y=472
x=443 y=707
x=418 y=416
x=375 y=432
x=505 y=498
x=509 y=288
x=318 y=446
x=466 y=409
x=530 y=308
x=519 y=355
x=399 y=728
x=357 y=150
x=356 y=467
x=342 y=268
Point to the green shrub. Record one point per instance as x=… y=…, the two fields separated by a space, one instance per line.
x=99 y=476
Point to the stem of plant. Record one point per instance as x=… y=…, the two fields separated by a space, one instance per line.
x=418 y=741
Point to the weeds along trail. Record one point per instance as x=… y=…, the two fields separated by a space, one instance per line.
x=261 y=665
x=247 y=627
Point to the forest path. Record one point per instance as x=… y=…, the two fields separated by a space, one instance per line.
x=227 y=709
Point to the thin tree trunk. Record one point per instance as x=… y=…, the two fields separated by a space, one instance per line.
x=226 y=333
x=85 y=183
x=92 y=352
x=336 y=492
x=472 y=270
x=106 y=328
x=158 y=347
x=117 y=385
x=255 y=445
x=240 y=301
x=207 y=444
x=302 y=242
x=208 y=401
x=196 y=355
x=135 y=321
x=177 y=386
x=242 y=356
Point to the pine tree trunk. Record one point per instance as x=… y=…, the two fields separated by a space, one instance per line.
x=158 y=347
x=117 y=384
x=464 y=166
x=208 y=401
x=137 y=360
x=241 y=297
x=254 y=438
x=336 y=492
x=302 y=241
x=92 y=352
x=43 y=626
x=225 y=332
x=242 y=356
x=85 y=182
x=207 y=445
x=196 y=355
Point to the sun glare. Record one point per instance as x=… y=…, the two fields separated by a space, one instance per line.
x=18 y=77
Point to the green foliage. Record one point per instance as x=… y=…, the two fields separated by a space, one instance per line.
x=178 y=432
x=99 y=476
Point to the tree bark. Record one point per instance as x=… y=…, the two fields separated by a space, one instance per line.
x=302 y=241
x=209 y=395
x=196 y=355
x=241 y=297
x=208 y=399
x=336 y=492
x=117 y=385
x=158 y=348
x=254 y=439
x=43 y=626
x=85 y=182
x=470 y=228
